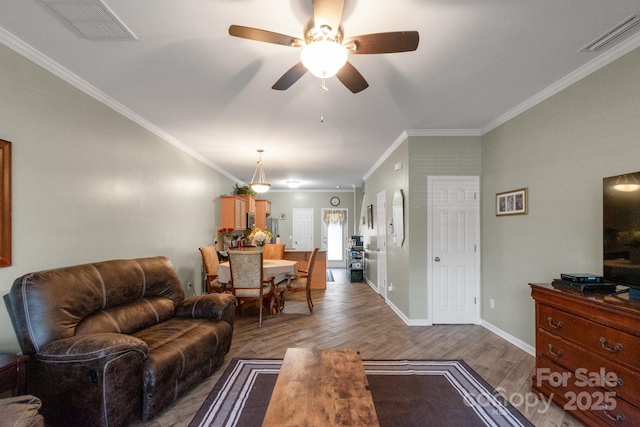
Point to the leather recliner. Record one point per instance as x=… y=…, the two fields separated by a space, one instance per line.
x=115 y=340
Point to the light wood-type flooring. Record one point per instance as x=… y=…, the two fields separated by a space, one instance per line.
x=354 y=315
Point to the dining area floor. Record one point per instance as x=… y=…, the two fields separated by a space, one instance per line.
x=354 y=315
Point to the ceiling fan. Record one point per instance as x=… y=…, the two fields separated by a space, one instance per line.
x=325 y=50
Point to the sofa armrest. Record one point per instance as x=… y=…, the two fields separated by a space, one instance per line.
x=89 y=380
x=88 y=347
x=213 y=306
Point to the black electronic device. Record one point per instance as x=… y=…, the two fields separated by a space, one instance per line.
x=585 y=286
x=582 y=277
x=621 y=230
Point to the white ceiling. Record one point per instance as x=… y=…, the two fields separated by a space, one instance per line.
x=479 y=63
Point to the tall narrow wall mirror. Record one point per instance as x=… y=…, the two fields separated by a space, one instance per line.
x=5 y=203
x=398 y=217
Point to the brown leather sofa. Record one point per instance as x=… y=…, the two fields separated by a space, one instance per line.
x=115 y=340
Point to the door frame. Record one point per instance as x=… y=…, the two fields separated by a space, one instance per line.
x=478 y=287
x=381 y=201
x=345 y=237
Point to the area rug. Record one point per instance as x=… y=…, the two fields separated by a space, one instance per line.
x=405 y=393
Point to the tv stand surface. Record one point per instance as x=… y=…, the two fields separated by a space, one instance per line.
x=588 y=354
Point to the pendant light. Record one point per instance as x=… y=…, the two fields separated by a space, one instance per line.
x=261 y=185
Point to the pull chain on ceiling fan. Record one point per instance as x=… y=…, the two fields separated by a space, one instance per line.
x=325 y=51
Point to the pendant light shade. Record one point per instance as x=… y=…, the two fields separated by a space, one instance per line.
x=261 y=185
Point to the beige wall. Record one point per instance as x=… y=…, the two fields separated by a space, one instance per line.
x=560 y=150
x=90 y=185
x=421 y=157
x=283 y=202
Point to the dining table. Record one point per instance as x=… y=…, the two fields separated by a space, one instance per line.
x=276 y=268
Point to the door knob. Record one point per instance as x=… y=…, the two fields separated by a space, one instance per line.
x=437 y=259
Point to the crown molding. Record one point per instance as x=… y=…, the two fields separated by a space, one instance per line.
x=48 y=64
x=597 y=63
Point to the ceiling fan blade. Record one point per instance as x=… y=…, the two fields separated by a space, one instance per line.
x=264 y=36
x=351 y=78
x=328 y=12
x=399 y=41
x=290 y=77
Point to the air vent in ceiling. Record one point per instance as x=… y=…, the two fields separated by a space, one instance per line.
x=92 y=19
x=613 y=35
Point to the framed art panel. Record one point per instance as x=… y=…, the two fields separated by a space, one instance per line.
x=512 y=202
x=5 y=203
x=370 y=217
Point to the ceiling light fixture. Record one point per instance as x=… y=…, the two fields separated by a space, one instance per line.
x=260 y=186
x=625 y=184
x=324 y=54
x=293 y=184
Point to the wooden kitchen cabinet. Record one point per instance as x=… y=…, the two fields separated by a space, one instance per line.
x=263 y=210
x=250 y=202
x=233 y=212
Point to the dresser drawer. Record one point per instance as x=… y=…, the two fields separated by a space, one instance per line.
x=588 y=368
x=584 y=402
x=608 y=342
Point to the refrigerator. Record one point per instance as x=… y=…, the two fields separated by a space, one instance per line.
x=272 y=226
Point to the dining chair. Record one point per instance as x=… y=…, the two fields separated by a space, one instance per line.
x=273 y=251
x=211 y=261
x=302 y=280
x=247 y=280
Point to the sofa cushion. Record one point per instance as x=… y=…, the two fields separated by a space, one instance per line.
x=21 y=411
x=178 y=349
x=128 y=318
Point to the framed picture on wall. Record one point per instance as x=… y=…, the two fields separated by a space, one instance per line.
x=512 y=202
x=370 y=217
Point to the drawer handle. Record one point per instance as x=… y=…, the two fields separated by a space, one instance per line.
x=558 y=354
x=616 y=348
x=557 y=325
x=617 y=383
x=619 y=417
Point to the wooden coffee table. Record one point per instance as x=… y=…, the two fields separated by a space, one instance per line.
x=321 y=388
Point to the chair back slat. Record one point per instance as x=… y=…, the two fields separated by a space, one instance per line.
x=273 y=251
x=311 y=264
x=246 y=269
x=210 y=259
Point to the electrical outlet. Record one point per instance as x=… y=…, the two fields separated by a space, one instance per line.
x=492 y=303
x=390 y=286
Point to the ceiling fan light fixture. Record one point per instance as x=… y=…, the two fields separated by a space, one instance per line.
x=324 y=58
x=261 y=185
x=626 y=184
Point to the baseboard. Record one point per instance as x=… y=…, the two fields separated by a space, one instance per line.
x=513 y=340
x=427 y=322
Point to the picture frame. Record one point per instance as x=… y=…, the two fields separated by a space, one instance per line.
x=5 y=203
x=370 y=217
x=515 y=202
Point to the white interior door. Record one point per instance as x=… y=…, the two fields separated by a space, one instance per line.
x=454 y=242
x=303 y=229
x=381 y=224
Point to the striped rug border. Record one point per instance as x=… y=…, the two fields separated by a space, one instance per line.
x=229 y=396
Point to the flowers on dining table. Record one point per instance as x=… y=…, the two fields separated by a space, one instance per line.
x=226 y=233
x=259 y=237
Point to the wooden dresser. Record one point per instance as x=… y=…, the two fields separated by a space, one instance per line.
x=588 y=354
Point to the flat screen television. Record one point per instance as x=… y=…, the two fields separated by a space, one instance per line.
x=621 y=230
